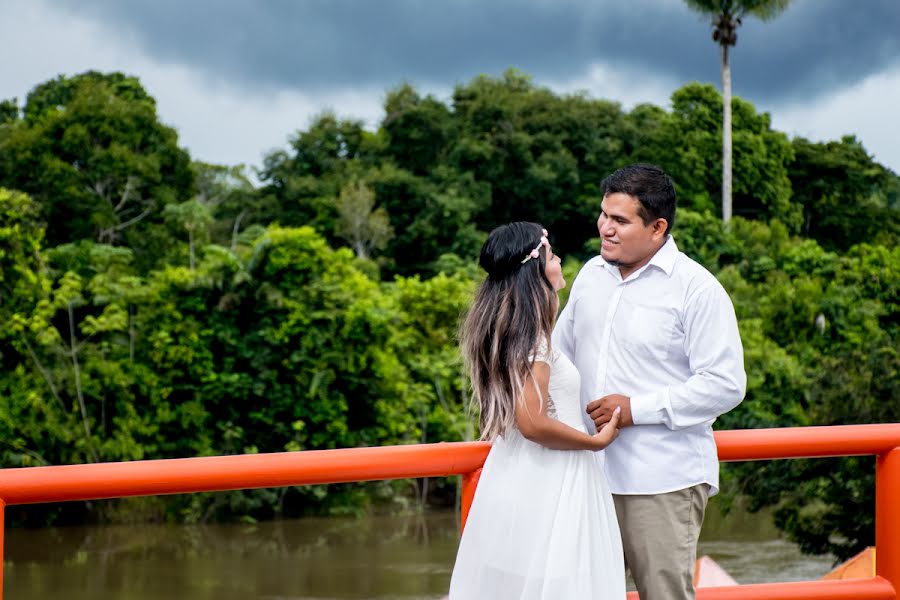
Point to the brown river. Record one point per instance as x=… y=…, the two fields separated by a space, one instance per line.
x=385 y=558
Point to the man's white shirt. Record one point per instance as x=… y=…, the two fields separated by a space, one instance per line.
x=667 y=337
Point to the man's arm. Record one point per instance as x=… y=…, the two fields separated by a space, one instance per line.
x=716 y=357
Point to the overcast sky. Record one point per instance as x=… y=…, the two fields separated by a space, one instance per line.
x=236 y=78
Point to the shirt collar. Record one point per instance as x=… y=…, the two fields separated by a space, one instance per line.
x=665 y=256
x=664 y=259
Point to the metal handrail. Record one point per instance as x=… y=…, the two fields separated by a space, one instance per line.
x=220 y=473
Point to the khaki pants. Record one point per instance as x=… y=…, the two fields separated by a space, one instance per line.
x=659 y=537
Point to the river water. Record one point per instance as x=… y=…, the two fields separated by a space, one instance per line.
x=385 y=558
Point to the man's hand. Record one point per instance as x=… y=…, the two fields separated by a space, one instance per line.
x=601 y=410
x=604 y=438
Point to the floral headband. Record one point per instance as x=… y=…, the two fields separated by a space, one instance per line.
x=535 y=253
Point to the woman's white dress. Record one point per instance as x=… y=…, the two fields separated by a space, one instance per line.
x=542 y=524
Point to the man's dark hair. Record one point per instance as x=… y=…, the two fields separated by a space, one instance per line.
x=649 y=184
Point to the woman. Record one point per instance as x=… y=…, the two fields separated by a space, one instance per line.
x=542 y=524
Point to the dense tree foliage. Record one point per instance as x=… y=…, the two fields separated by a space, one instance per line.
x=93 y=154
x=157 y=307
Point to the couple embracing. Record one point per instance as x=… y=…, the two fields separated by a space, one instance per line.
x=601 y=419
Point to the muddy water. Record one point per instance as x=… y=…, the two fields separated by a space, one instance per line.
x=396 y=558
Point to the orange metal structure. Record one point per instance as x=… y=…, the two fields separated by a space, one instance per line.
x=860 y=566
x=187 y=475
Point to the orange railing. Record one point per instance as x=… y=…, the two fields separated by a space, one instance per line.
x=188 y=475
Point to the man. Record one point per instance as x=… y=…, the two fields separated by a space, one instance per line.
x=653 y=332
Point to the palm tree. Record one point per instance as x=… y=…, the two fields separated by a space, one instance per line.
x=726 y=17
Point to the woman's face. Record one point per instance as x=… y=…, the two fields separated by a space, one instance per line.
x=553 y=270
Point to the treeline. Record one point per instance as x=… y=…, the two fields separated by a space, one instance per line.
x=160 y=307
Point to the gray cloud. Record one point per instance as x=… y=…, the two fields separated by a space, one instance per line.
x=315 y=45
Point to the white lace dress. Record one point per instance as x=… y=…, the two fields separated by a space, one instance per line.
x=542 y=524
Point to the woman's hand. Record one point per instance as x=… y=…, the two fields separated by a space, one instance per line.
x=608 y=432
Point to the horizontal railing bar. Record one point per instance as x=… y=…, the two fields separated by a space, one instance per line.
x=807 y=442
x=221 y=473
x=876 y=588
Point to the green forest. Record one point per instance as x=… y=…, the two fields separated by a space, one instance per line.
x=155 y=306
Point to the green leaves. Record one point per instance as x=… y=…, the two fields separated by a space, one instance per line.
x=762 y=9
x=846 y=197
x=820 y=333
x=155 y=308
x=93 y=154
x=363 y=226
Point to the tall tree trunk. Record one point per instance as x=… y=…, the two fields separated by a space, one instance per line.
x=236 y=228
x=47 y=377
x=726 y=135
x=78 y=389
x=191 y=247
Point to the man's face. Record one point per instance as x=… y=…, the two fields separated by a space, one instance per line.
x=627 y=242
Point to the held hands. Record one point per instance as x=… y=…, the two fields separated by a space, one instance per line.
x=601 y=411
x=608 y=432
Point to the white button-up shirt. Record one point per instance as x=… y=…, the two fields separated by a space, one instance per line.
x=667 y=337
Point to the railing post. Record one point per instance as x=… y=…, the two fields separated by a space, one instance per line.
x=2 y=529
x=469 y=483
x=887 y=517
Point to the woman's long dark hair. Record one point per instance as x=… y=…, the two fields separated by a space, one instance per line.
x=511 y=318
